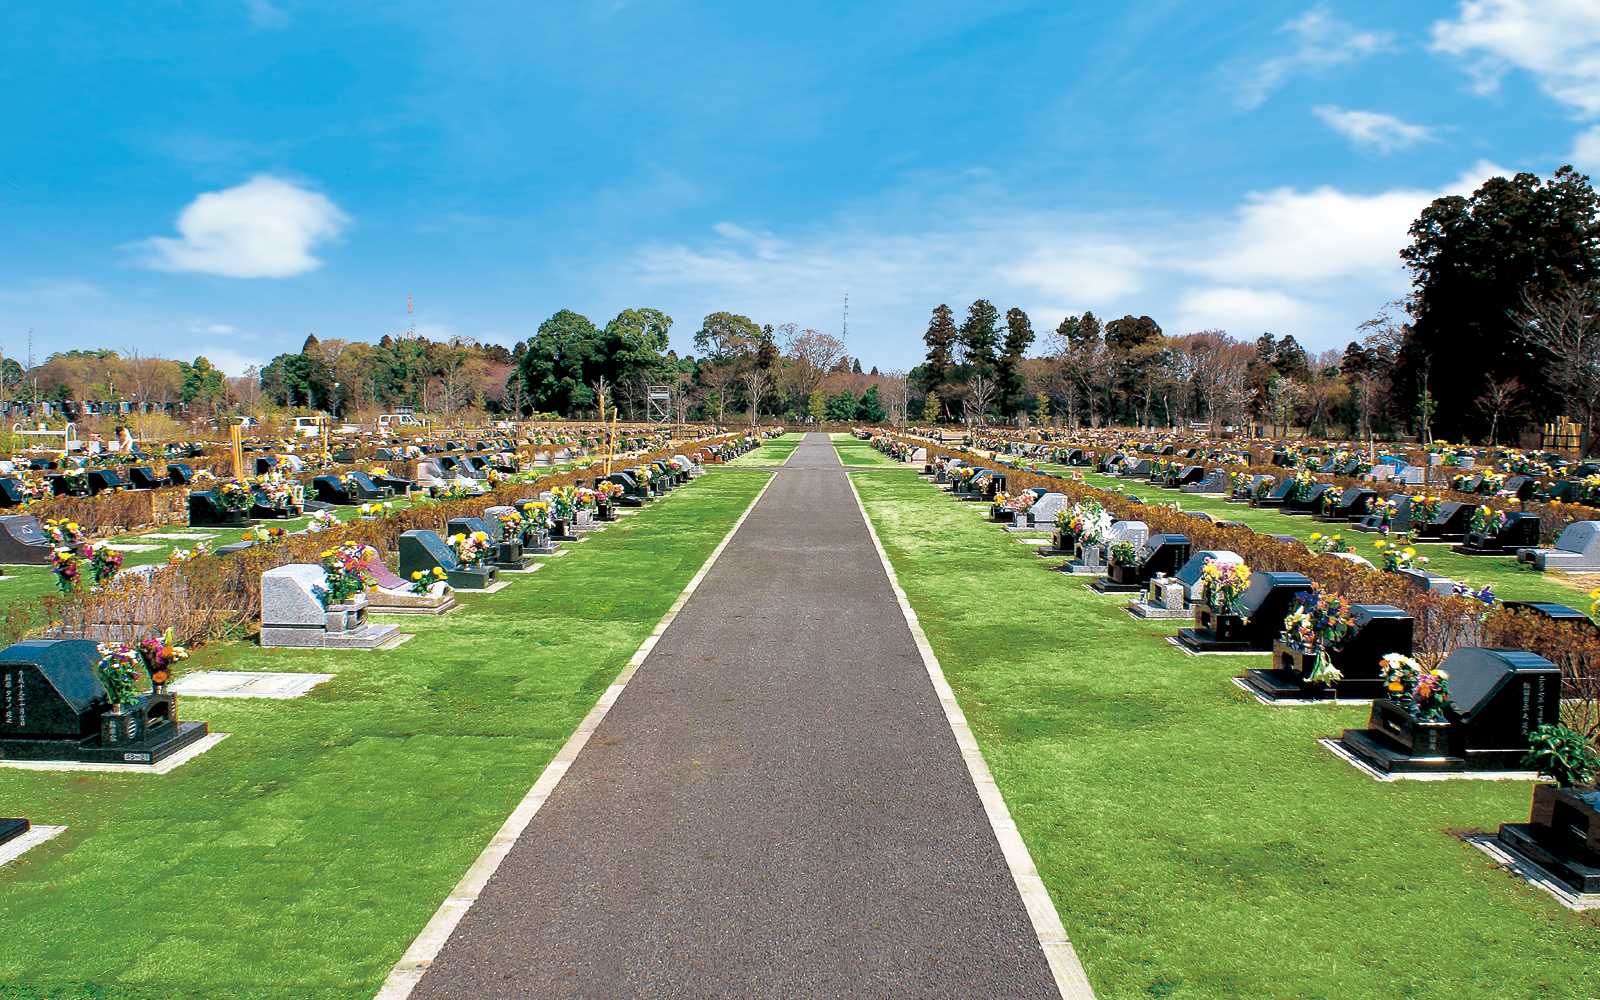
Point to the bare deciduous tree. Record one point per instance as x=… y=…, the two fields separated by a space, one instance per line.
x=1567 y=325
x=979 y=398
x=756 y=385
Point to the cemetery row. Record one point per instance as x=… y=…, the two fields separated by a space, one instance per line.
x=1456 y=684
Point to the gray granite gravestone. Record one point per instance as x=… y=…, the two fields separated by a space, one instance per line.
x=293 y=613
x=1576 y=551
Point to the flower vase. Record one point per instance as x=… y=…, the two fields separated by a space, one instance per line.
x=119 y=726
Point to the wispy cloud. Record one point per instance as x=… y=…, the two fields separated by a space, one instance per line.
x=264 y=228
x=1372 y=129
x=1558 y=41
x=1324 y=42
x=1586 y=150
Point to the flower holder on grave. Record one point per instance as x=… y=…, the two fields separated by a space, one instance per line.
x=423 y=549
x=293 y=613
x=207 y=511
x=1499 y=696
x=1516 y=531
x=1254 y=621
x=1380 y=629
x=23 y=542
x=53 y=706
x=1562 y=835
x=1160 y=554
x=1164 y=597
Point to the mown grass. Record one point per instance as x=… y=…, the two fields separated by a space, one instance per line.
x=301 y=856
x=857 y=453
x=775 y=451
x=1197 y=843
x=1508 y=580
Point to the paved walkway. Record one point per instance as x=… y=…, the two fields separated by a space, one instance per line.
x=775 y=806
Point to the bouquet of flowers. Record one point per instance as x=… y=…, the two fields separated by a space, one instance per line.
x=1303 y=481
x=1327 y=544
x=469 y=548
x=1318 y=624
x=511 y=522
x=378 y=471
x=539 y=515
x=234 y=495
x=1399 y=554
x=497 y=478
x=561 y=497
x=63 y=532
x=1488 y=521
x=262 y=533
x=178 y=557
x=75 y=482
x=159 y=655
x=104 y=561
x=375 y=509
x=1123 y=554
x=1424 y=509
x=120 y=670
x=1486 y=594
x=608 y=490
x=347 y=573
x=1221 y=586
x=203 y=477
x=67 y=567
x=322 y=520
x=274 y=489
x=423 y=583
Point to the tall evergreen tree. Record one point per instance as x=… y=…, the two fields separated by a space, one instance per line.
x=1008 y=369
x=941 y=339
x=979 y=337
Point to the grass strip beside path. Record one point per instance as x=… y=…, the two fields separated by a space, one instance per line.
x=301 y=856
x=775 y=451
x=857 y=453
x=1197 y=843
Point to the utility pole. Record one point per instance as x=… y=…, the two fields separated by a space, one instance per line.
x=845 y=334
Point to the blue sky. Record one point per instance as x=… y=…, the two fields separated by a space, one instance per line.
x=225 y=177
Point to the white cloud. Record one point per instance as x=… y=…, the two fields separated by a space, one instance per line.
x=264 y=228
x=1558 y=41
x=1325 y=42
x=1371 y=129
x=1240 y=309
x=1586 y=150
x=213 y=328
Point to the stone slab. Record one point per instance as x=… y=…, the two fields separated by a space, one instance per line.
x=15 y=848
x=247 y=684
x=167 y=764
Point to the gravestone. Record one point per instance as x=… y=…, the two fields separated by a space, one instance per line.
x=1188 y=575
x=1277 y=497
x=1044 y=510
x=1500 y=696
x=1520 y=487
x=1559 y=613
x=102 y=480
x=1163 y=597
x=1255 y=621
x=179 y=474
x=422 y=549
x=393 y=595
x=1158 y=554
x=1576 y=551
x=1308 y=504
x=1423 y=579
x=293 y=613
x=266 y=464
x=13 y=492
x=1349 y=505
x=1414 y=475
x=1519 y=531
x=1449 y=525
x=54 y=707
x=205 y=511
x=143 y=477
x=22 y=542
x=1380 y=629
x=1216 y=481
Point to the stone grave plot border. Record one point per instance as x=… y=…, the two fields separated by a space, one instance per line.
x=1516 y=863
x=13 y=849
x=1172 y=641
x=163 y=766
x=248 y=684
x=1333 y=746
x=1242 y=685
x=514 y=572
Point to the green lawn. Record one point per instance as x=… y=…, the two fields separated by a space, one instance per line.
x=301 y=856
x=1509 y=580
x=857 y=453
x=1198 y=843
x=775 y=451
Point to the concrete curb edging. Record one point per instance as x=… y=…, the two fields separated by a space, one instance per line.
x=407 y=972
x=1071 y=980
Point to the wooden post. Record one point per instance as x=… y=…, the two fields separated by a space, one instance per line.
x=237 y=431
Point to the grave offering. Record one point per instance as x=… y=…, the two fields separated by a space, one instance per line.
x=1498 y=532
x=1131 y=567
x=1475 y=713
x=1249 y=623
x=1329 y=651
x=422 y=551
x=302 y=606
x=23 y=542
x=1576 y=551
x=75 y=700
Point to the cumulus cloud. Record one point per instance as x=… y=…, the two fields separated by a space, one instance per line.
x=1324 y=42
x=264 y=228
x=1586 y=150
x=1558 y=41
x=1372 y=130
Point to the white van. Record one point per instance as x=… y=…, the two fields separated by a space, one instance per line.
x=308 y=427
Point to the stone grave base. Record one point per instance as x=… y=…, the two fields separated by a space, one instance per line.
x=1499 y=847
x=314 y=637
x=1244 y=500
x=11 y=829
x=1275 y=685
x=1104 y=585
x=1079 y=569
x=1579 y=878
x=520 y=566
x=403 y=602
x=1377 y=755
x=247 y=684
x=88 y=750
x=1467 y=550
x=1196 y=641
x=1047 y=551
x=1140 y=609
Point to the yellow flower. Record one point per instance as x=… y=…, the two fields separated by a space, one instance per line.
x=1316 y=535
x=1381 y=545
x=1411 y=552
x=417 y=575
x=437 y=571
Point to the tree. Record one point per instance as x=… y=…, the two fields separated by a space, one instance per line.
x=202 y=382
x=1565 y=325
x=719 y=379
x=554 y=366
x=941 y=339
x=725 y=335
x=1502 y=399
x=930 y=409
x=1472 y=262
x=811 y=356
x=817 y=405
x=978 y=337
x=756 y=384
x=1123 y=335
x=1008 y=369
x=871 y=408
x=843 y=406
x=980 y=396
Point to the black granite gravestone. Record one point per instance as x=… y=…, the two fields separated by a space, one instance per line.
x=1255 y=621
x=1562 y=835
x=13 y=492
x=1164 y=553
x=53 y=707
x=1348 y=504
x=385 y=455
x=1277 y=497
x=206 y=511
x=102 y=480
x=1449 y=525
x=1380 y=629
x=266 y=464
x=1308 y=504
x=11 y=829
x=1518 y=531
x=179 y=474
x=144 y=478
x=1559 y=613
x=22 y=542
x=422 y=550
x=1500 y=696
x=630 y=490
x=1520 y=487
